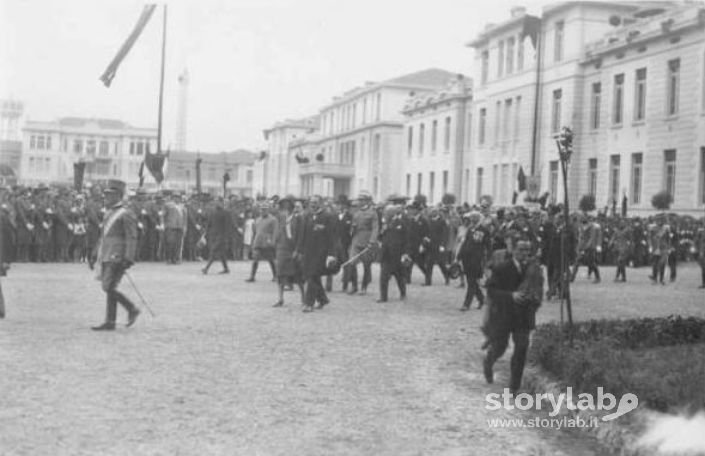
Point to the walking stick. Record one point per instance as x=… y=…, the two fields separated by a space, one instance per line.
x=144 y=301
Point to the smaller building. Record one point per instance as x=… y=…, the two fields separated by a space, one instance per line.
x=238 y=165
x=111 y=149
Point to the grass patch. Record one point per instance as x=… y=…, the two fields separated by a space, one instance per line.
x=661 y=360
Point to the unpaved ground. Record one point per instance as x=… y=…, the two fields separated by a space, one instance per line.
x=219 y=371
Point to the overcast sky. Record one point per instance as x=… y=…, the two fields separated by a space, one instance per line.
x=251 y=62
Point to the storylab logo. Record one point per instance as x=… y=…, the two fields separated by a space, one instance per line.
x=564 y=401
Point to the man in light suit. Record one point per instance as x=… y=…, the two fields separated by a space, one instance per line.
x=115 y=253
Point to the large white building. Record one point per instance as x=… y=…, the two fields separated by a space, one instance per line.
x=627 y=77
x=354 y=144
x=110 y=148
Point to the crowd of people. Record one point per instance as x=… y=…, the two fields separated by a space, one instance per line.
x=503 y=251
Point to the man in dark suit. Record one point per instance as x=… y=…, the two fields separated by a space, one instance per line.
x=514 y=288
x=438 y=234
x=218 y=230
x=395 y=247
x=116 y=252
x=418 y=238
x=316 y=250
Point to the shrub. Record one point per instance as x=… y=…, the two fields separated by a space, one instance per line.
x=448 y=199
x=587 y=203
x=662 y=200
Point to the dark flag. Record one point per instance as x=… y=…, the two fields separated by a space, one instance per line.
x=624 y=206
x=521 y=179
x=199 y=160
x=79 y=169
x=532 y=28
x=141 y=174
x=514 y=198
x=226 y=179
x=156 y=164
x=110 y=71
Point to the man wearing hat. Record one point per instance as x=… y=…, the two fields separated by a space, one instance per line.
x=263 y=242
x=116 y=253
x=365 y=228
x=395 y=251
x=419 y=240
x=472 y=254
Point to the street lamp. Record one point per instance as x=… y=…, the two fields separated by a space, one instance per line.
x=564 y=141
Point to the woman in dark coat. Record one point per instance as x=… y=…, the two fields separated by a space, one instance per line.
x=288 y=269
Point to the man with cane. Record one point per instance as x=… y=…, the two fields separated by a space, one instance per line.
x=115 y=253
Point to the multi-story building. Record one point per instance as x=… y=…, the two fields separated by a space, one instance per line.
x=354 y=144
x=238 y=165
x=617 y=74
x=110 y=148
x=436 y=133
x=113 y=149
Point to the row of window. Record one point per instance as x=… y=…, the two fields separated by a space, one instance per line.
x=639 y=114
x=421 y=190
x=346 y=117
x=506 y=53
x=507 y=123
x=91 y=146
x=40 y=142
x=434 y=137
x=502 y=128
x=347 y=149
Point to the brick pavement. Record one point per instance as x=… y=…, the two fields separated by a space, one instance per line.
x=219 y=371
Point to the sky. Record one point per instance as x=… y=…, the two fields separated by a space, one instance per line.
x=251 y=62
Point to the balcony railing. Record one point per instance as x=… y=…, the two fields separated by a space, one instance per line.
x=327 y=169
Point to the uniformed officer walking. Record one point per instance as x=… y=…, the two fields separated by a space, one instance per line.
x=116 y=253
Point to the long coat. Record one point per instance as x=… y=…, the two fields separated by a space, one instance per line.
x=285 y=245
x=219 y=227
x=395 y=243
x=316 y=243
x=473 y=251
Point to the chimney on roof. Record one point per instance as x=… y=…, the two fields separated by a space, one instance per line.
x=517 y=11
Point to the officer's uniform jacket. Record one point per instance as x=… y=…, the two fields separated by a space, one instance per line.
x=118 y=240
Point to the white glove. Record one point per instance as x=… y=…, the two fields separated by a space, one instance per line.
x=198 y=227
x=330 y=260
x=442 y=249
x=599 y=249
x=422 y=249
x=30 y=226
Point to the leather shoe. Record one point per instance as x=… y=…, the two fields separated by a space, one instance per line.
x=251 y=279
x=225 y=271
x=379 y=301
x=308 y=309
x=204 y=271
x=278 y=304
x=132 y=317
x=104 y=327
x=487 y=369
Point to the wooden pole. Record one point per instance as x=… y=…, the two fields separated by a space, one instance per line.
x=565 y=267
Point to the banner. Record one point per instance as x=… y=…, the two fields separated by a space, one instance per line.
x=79 y=169
x=109 y=73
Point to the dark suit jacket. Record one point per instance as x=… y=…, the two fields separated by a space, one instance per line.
x=395 y=243
x=505 y=313
x=316 y=243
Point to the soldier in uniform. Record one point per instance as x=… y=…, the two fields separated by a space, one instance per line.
x=116 y=253
x=659 y=248
x=621 y=245
x=263 y=244
x=345 y=222
x=395 y=251
x=700 y=248
x=589 y=246
x=473 y=254
x=315 y=248
x=365 y=229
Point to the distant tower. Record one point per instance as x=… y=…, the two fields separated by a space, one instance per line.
x=10 y=113
x=181 y=121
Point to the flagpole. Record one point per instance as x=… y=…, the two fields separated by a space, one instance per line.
x=161 y=87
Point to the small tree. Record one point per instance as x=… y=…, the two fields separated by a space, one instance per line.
x=448 y=199
x=662 y=200
x=587 y=203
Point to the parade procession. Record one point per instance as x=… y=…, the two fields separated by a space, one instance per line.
x=509 y=261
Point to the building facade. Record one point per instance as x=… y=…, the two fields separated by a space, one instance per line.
x=354 y=144
x=238 y=165
x=110 y=148
x=11 y=112
x=617 y=76
x=436 y=132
